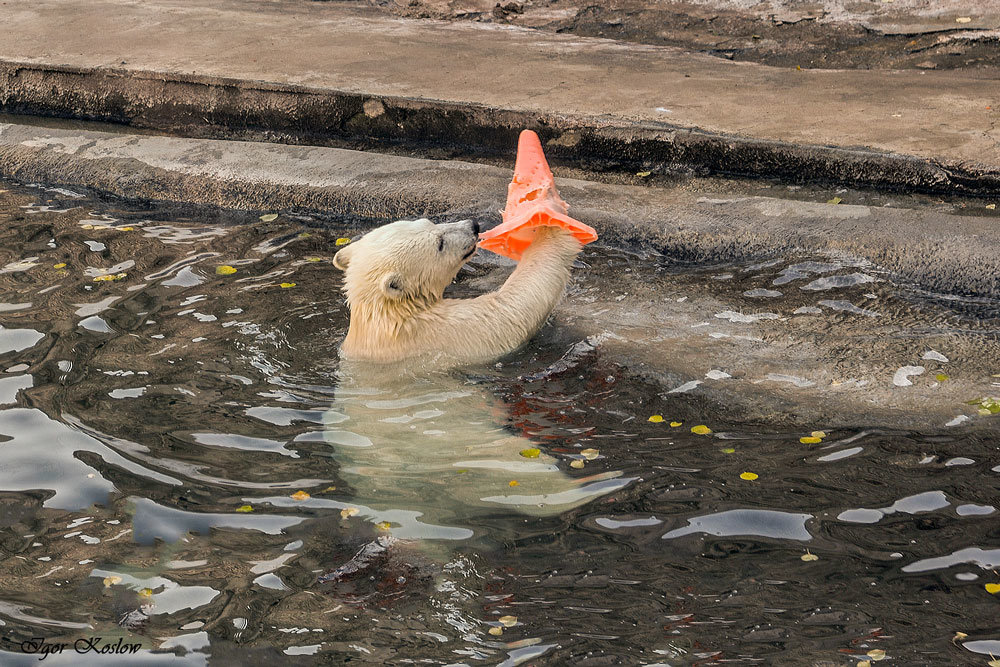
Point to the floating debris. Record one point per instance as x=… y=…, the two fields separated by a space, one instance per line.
x=225 y=270
x=109 y=277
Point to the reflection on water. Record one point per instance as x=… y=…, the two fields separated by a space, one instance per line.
x=185 y=464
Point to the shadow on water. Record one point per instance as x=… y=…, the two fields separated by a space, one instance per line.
x=683 y=469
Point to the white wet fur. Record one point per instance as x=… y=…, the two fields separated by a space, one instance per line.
x=419 y=445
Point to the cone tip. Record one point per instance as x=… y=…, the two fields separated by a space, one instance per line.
x=528 y=139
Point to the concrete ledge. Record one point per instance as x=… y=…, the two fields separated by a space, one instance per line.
x=221 y=108
x=937 y=252
x=328 y=73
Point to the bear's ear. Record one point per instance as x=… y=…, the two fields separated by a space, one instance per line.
x=343 y=257
x=392 y=286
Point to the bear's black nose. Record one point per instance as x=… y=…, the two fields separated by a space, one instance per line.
x=475 y=227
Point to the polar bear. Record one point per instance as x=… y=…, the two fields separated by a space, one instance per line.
x=421 y=447
x=395 y=277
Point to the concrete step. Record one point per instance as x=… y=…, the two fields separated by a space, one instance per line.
x=938 y=253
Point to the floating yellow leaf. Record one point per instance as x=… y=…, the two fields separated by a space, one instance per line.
x=958 y=637
x=496 y=631
x=245 y=508
x=643 y=174
x=809 y=440
x=656 y=419
x=531 y=453
x=314 y=259
x=109 y=277
x=383 y=525
x=126 y=229
x=818 y=434
x=342 y=241
x=329 y=489
x=728 y=450
x=304 y=235
x=348 y=512
x=508 y=621
x=876 y=654
x=60 y=265
x=963 y=19
x=992 y=207
x=86 y=226
x=835 y=200
x=701 y=429
x=993 y=662
x=287 y=285
x=676 y=424
x=576 y=463
x=749 y=476
x=941 y=377
x=993 y=589
x=112 y=580
x=590 y=453
x=513 y=482
x=808 y=557
x=269 y=217
x=864 y=663
x=300 y=495
x=225 y=270
x=146 y=592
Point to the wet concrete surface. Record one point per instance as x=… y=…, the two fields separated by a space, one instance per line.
x=347 y=73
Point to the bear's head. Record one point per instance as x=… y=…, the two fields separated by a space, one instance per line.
x=405 y=266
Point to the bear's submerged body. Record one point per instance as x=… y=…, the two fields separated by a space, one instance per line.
x=430 y=452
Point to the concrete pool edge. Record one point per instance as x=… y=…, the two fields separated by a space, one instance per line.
x=225 y=108
x=939 y=253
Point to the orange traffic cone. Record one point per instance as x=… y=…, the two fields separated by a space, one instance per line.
x=532 y=201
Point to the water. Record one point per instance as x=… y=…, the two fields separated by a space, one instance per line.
x=156 y=430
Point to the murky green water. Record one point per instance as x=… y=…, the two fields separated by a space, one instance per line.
x=156 y=430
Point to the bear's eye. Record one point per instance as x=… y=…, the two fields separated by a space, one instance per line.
x=440 y=244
